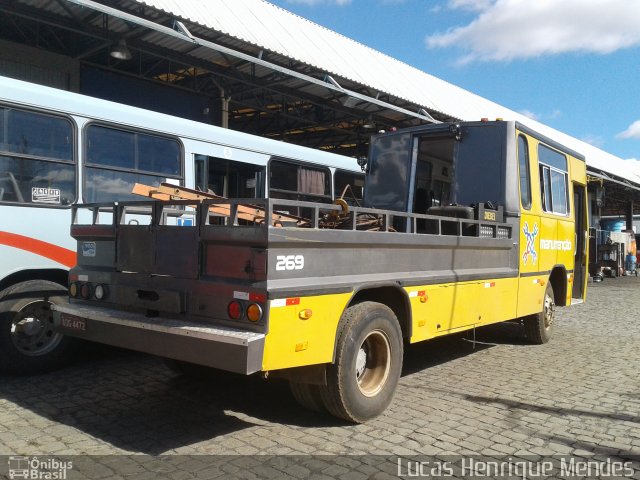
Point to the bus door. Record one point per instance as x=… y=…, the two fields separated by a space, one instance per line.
x=581 y=236
x=530 y=226
x=229 y=178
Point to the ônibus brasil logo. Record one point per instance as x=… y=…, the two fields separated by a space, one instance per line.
x=34 y=468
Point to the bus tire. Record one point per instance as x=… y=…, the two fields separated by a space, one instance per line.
x=362 y=381
x=28 y=343
x=308 y=396
x=539 y=327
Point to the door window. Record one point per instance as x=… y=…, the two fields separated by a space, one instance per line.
x=553 y=180
x=228 y=178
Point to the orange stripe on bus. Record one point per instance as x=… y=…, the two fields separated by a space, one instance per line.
x=44 y=249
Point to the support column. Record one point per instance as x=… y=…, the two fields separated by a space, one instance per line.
x=224 y=101
x=629 y=215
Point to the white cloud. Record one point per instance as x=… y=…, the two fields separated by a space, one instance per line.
x=312 y=3
x=505 y=30
x=632 y=132
x=474 y=5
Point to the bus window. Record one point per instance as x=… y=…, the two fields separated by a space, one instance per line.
x=434 y=171
x=523 y=167
x=36 y=159
x=228 y=178
x=354 y=194
x=159 y=155
x=553 y=180
x=299 y=182
x=39 y=135
x=117 y=159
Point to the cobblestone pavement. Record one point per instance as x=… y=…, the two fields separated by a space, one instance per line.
x=578 y=395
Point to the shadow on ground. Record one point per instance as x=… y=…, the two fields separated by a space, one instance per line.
x=428 y=354
x=135 y=403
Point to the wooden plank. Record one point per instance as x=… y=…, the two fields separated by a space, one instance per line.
x=249 y=213
x=147 y=191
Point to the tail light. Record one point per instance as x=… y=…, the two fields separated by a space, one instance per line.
x=254 y=312
x=85 y=291
x=100 y=292
x=234 y=310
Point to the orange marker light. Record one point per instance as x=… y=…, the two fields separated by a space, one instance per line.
x=254 y=312
x=305 y=314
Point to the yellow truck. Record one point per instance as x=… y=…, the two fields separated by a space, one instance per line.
x=463 y=225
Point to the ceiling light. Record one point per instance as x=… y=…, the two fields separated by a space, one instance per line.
x=121 y=51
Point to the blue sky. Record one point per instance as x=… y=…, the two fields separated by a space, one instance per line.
x=571 y=64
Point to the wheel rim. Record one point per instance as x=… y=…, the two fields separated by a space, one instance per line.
x=373 y=363
x=32 y=329
x=549 y=311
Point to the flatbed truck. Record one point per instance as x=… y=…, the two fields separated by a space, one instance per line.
x=463 y=225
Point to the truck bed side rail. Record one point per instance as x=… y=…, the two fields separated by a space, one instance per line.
x=342 y=217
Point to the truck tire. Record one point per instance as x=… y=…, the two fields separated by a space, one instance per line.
x=362 y=381
x=308 y=396
x=28 y=343
x=539 y=327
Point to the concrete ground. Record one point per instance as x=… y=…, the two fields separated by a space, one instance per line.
x=577 y=396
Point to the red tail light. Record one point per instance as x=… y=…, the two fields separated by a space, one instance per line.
x=234 y=309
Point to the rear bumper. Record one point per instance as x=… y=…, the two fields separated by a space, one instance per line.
x=225 y=348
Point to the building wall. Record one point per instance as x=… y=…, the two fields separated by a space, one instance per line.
x=39 y=66
x=143 y=93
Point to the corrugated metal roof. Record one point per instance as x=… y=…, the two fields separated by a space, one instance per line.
x=274 y=29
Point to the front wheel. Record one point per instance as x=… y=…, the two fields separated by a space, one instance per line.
x=539 y=326
x=362 y=381
x=28 y=342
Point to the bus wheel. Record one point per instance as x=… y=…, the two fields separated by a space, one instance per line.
x=28 y=343
x=539 y=326
x=362 y=381
x=308 y=396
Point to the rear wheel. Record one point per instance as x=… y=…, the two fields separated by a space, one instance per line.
x=28 y=342
x=539 y=326
x=362 y=381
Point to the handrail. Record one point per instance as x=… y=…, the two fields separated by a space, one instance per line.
x=243 y=212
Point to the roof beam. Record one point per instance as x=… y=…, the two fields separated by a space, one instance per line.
x=242 y=56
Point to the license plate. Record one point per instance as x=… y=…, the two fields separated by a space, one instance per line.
x=73 y=323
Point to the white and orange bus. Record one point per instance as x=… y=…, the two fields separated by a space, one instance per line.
x=59 y=148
